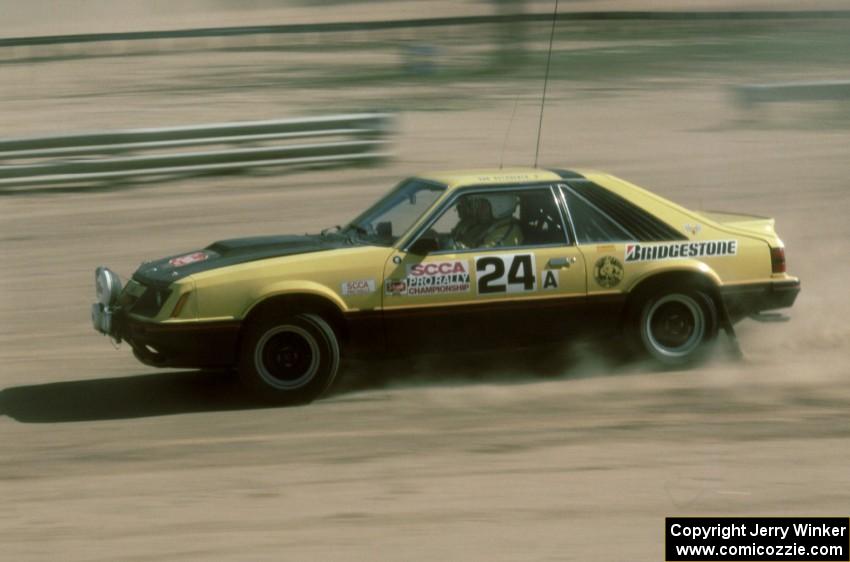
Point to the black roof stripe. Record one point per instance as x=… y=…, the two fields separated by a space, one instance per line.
x=566 y=174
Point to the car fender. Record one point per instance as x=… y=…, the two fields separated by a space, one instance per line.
x=679 y=266
x=294 y=287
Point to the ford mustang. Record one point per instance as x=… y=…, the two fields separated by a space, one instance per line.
x=453 y=261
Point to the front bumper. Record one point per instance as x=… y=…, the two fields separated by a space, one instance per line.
x=168 y=344
x=102 y=318
x=745 y=300
x=185 y=344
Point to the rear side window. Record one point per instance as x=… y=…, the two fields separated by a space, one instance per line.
x=592 y=225
x=639 y=225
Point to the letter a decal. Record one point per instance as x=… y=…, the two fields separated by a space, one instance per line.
x=550 y=280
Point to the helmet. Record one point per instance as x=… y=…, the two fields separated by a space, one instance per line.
x=484 y=208
x=464 y=209
x=502 y=206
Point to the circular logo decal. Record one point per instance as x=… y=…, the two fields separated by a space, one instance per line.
x=187 y=259
x=608 y=272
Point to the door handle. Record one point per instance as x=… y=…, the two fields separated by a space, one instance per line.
x=560 y=263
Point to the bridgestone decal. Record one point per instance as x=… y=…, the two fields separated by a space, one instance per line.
x=678 y=250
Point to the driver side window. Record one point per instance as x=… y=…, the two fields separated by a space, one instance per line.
x=499 y=219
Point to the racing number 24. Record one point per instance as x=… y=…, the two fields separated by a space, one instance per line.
x=491 y=274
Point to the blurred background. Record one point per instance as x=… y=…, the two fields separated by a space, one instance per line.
x=737 y=105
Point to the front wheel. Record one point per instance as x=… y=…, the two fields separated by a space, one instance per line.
x=675 y=327
x=290 y=360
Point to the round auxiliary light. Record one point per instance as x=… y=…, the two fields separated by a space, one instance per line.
x=107 y=286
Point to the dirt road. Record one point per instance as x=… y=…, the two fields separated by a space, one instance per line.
x=104 y=459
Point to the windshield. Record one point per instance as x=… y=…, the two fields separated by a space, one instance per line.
x=393 y=215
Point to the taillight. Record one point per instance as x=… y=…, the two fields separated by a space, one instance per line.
x=777 y=260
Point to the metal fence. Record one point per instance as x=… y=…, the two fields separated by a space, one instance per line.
x=93 y=159
x=52 y=47
x=751 y=95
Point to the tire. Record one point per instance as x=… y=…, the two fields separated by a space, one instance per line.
x=674 y=327
x=289 y=360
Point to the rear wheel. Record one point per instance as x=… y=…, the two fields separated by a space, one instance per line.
x=290 y=360
x=675 y=327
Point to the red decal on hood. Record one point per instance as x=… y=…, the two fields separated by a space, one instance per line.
x=187 y=259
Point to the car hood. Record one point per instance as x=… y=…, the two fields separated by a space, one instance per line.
x=224 y=253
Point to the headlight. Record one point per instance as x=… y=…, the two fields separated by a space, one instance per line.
x=107 y=286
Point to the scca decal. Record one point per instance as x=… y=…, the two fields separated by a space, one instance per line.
x=442 y=268
x=359 y=287
x=649 y=252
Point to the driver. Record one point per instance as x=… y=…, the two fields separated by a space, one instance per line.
x=487 y=221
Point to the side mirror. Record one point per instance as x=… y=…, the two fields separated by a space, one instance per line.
x=424 y=246
x=384 y=230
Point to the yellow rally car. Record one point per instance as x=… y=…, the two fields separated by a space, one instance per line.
x=453 y=260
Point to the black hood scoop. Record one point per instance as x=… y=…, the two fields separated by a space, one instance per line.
x=262 y=245
x=223 y=253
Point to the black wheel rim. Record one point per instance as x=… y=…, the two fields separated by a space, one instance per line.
x=287 y=357
x=675 y=325
x=672 y=324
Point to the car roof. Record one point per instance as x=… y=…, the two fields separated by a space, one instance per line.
x=492 y=176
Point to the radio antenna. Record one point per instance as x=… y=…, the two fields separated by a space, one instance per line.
x=508 y=132
x=545 y=81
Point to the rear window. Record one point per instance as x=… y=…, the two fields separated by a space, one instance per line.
x=622 y=216
x=592 y=225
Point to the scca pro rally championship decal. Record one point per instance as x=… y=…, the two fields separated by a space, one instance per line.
x=676 y=250
x=437 y=278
